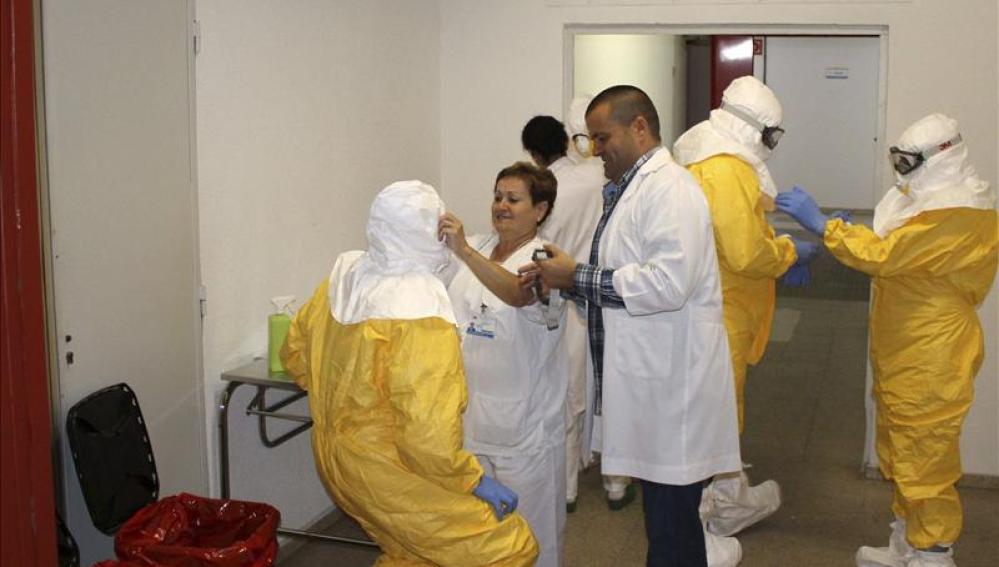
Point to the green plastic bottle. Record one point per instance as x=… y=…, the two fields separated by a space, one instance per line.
x=277 y=330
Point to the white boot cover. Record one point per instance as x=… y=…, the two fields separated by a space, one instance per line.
x=892 y=556
x=722 y=551
x=731 y=505
x=919 y=558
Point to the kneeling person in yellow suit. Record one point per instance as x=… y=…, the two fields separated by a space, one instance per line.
x=377 y=349
x=933 y=256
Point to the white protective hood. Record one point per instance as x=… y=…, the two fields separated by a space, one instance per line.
x=397 y=277
x=946 y=180
x=725 y=133
x=575 y=123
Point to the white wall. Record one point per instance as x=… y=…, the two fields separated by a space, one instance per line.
x=503 y=61
x=305 y=111
x=654 y=63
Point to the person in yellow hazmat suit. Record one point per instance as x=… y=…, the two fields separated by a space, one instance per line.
x=377 y=349
x=933 y=256
x=727 y=155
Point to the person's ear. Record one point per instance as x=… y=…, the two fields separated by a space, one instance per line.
x=542 y=209
x=640 y=126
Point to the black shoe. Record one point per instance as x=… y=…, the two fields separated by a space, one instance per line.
x=570 y=507
x=621 y=503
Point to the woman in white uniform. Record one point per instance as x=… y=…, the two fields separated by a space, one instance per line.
x=515 y=421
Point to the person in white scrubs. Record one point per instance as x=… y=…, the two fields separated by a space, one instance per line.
x=580 y=178
x=515 y=421
x=657 y=338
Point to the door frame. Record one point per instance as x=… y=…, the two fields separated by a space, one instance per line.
x=28 y=509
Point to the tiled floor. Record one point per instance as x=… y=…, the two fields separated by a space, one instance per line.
x=804 y=428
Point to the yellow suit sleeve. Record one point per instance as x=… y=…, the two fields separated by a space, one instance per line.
x=745 y=241
x=932 y=243
x=426 y=387
x=296 y=350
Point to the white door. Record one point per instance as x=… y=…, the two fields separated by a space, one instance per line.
x=119 y=108
x=828 y=87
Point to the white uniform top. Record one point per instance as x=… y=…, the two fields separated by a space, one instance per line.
x=578 y=205
x=668 y=394
x=516 y=384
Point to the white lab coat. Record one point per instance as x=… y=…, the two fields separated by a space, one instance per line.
x=515 y=420
x=516 y=383
x=668 y=394
x=570 y=227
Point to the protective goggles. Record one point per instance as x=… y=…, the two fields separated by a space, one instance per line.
x=583 y=144
x=769 y=135
x=906 y=162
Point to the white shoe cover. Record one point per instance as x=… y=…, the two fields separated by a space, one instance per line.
x=891 y=556
x=729 y=505
x=722 y=551
x=919 y=558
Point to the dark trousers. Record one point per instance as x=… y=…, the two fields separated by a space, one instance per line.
x=673 y=525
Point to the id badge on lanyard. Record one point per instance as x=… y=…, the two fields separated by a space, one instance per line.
x=483 y=323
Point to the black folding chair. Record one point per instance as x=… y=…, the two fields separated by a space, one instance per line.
x=113 y=456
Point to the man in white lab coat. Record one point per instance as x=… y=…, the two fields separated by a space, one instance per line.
x=570 y=226
x=656 y=336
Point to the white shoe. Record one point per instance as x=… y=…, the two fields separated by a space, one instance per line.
x=722 y=551
x=892 y=556
x=729 y=505
x=920 y=558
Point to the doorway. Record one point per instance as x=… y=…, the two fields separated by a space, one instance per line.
x=830 y=88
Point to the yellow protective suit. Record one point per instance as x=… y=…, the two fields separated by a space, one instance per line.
x=926 y=347
x=386 y=398
x=750 y=258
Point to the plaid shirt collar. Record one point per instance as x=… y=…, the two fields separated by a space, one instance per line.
x=612 y=189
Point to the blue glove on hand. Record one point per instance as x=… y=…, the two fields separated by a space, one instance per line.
x=797 y=275
x=803 y=208
x=502 y=499
x=845 y=216
x=806 y=250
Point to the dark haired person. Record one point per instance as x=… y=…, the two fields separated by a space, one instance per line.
x=515 y=419
x=657 y=339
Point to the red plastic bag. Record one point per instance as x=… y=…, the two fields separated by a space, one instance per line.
x=193 y=531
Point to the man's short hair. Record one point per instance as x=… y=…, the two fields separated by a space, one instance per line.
x=545 y=136
x=627 y=103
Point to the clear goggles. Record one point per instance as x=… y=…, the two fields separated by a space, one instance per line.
x=769 y=135
x=906 y=162
x=583 y=144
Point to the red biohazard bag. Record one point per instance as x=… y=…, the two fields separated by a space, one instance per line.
x=192 y=531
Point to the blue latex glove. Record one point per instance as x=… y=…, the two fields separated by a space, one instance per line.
x=502 y=499
x=806 y=250
x=797 y=275
x=846 y=216
x=803 y=208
